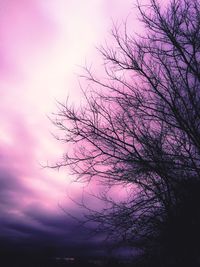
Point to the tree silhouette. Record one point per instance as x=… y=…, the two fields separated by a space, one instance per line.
x=140 y=129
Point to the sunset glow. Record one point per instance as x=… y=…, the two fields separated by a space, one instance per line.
x=43 y=45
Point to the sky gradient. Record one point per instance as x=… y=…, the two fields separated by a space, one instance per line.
x=43 y=43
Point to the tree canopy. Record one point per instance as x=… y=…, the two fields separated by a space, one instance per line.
x=140 y=128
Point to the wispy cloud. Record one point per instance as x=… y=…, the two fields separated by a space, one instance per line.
x=42 y=42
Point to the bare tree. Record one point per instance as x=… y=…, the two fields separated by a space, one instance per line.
x=140 y=128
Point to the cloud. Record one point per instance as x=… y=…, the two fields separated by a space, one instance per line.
x=41 y=43
x=30 y=213
x=38 y=229
x=25 y=27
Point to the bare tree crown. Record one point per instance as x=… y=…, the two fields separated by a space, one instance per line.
x=141 y=128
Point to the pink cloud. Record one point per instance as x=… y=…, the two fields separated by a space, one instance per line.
x=42 y=42
x=25 y=28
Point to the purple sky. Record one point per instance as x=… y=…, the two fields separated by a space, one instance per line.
x=42 y=45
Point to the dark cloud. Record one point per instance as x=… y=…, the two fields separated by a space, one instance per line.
x=12 y=190
x=10 y=182
x=34 y=228
x=28 y=223
x=48 y=220
x=61 y=234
